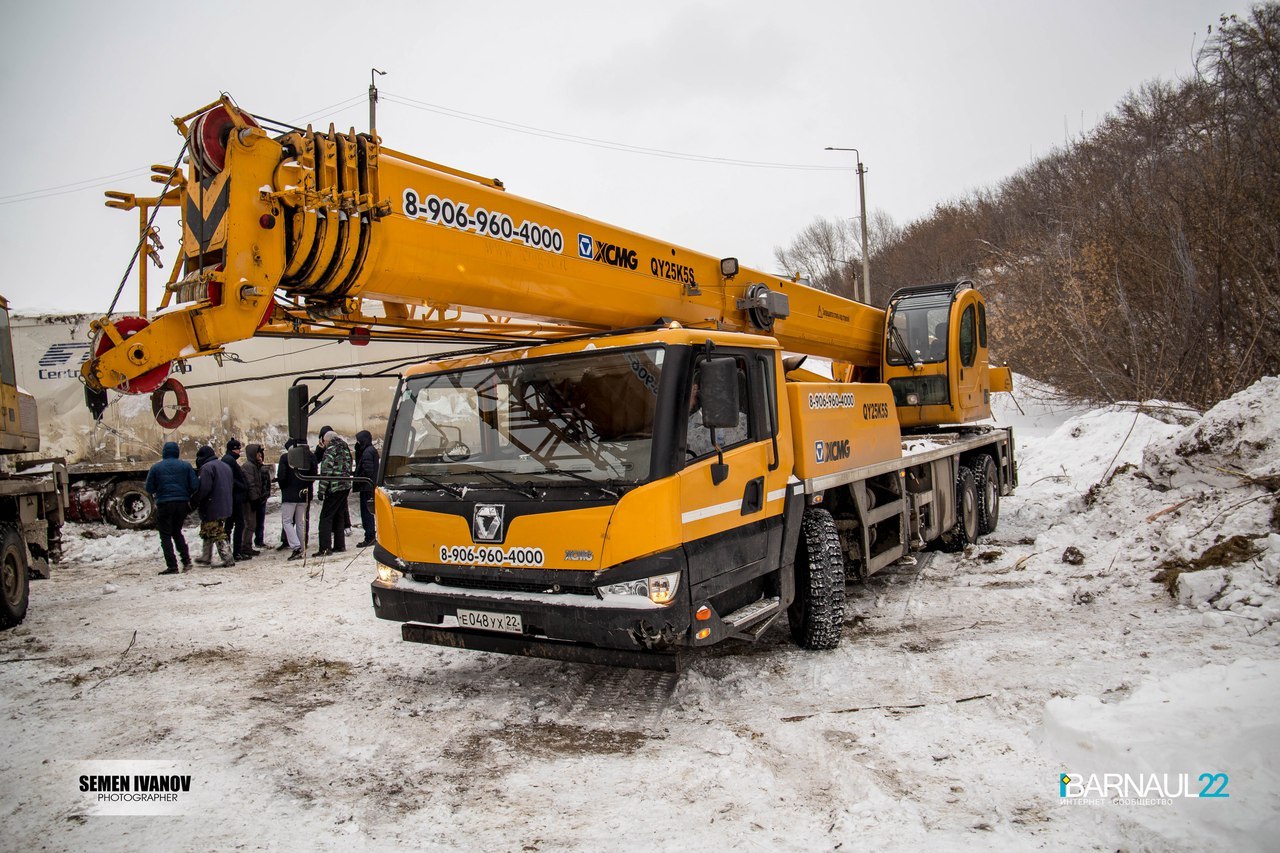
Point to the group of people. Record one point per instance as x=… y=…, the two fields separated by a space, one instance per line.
x=231 y=496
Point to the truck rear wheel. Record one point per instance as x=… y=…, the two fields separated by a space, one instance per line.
x=817 y=614
x=965 y=531
x=15 y=577
x=987 y=481
x=131 y=506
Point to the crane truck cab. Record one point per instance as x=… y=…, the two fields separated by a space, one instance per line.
x=623 y=499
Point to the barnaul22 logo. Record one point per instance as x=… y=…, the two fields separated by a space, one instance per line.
x=487 y=522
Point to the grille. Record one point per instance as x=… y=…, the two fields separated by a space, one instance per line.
x=504 y=586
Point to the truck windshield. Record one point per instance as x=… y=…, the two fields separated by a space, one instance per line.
x=553 y=421
x=922 y=323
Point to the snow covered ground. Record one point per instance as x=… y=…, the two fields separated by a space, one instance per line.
x=963 y=692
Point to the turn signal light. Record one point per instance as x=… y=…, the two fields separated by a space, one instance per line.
x=704 y=633
x=703 y=614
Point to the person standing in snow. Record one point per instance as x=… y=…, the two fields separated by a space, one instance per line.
x=343 y=519
x=295 y=501
x=172 y=482
x=335 y=487
x=367 y=467
x=239 y=495
x=212 y=500
x=258 y=481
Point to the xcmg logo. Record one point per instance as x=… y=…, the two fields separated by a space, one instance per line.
x=606 y=253
x=831 y=451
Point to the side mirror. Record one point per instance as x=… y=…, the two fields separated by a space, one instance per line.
x=298 y=416
x=719 y=392
x=300 y=458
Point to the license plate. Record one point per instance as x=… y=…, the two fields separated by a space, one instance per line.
x=509 y=622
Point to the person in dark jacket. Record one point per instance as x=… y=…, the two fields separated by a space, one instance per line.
x=367 y=467
x=334 y=488
x=258 y=478
x=295 y=501
x=239 y=494
x=172 y=482
x=213 y=499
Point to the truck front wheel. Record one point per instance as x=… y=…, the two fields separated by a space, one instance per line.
x=817 y=614
x=131 y=506
x=14 y=576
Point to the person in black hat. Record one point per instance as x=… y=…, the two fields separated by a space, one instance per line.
x=239 y=494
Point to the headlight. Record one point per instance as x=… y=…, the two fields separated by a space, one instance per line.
x=386 y=574
x=660 y=589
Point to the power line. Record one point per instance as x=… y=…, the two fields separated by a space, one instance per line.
x=75 y=186
x=599 y=143
x=502 y=124
x=102 y=180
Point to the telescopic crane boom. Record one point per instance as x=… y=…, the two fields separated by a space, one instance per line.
x=304 y=232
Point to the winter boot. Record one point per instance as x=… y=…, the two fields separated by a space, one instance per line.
x=224 y=551
x=206 y=557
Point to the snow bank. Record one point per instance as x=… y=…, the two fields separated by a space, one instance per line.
x=1211 y=720
x=1141 y=500
x=1240 y=434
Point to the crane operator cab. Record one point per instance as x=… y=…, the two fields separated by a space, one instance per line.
x=936 y=358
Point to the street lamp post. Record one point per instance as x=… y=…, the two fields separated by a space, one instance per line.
x=862 y=200
x=373 y=101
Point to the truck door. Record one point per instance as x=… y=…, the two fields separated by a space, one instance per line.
x=731 y=529
x=972 y=380
x=8 y=378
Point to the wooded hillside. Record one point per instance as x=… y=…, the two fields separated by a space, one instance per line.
x=1141 y=261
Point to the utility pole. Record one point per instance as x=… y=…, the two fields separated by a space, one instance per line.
x=862 y=200
x=373 y=102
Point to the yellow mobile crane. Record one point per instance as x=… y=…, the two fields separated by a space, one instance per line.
x=632 y=459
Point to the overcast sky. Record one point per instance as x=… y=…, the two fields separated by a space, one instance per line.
x=940 y=97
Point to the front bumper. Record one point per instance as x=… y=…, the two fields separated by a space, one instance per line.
x=557 y=626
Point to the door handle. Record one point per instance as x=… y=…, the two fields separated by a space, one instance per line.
x=753 y=496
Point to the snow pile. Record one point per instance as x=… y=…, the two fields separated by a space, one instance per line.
x=1181 y=730
x=1238 y=436
x=1229 y=461
x=1131 y=499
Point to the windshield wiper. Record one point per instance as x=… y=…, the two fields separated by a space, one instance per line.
x=582 y=479
x=444 y=487
x=896 y=337
x=526 y=490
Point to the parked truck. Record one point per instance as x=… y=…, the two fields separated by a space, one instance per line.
x=241 y=395
x=638 y=462
x=33 y=492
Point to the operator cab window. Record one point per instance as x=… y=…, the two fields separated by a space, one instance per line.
x=698 y=438
x=920 y=324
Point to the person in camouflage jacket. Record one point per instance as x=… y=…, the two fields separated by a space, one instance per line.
x=333 y=489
